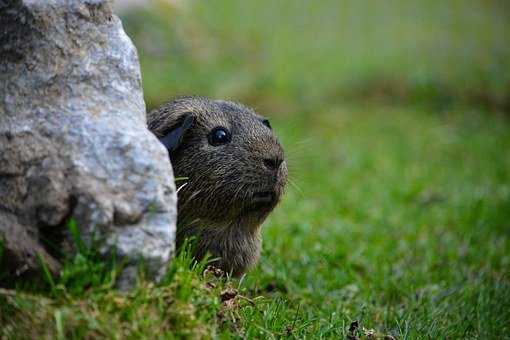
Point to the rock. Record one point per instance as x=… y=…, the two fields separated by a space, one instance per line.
x=73 y=140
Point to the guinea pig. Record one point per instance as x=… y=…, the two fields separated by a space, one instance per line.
x=235 y=174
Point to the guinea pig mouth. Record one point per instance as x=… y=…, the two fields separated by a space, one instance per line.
x=263 y=200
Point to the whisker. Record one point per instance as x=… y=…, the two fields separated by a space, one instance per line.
x=190 y=198
x=182 y=186
x=299 y=145
x=295 y=186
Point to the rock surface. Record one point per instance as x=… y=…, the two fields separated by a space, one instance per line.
x=73 y=140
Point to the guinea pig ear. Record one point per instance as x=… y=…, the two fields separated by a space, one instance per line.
x=173 y=138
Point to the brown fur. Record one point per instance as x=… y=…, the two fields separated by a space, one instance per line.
x=218 y=205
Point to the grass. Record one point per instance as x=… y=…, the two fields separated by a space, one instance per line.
x=394 y=118
x=307 y=54
x=401 y=224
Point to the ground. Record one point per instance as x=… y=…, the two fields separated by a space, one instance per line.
x=396 y=218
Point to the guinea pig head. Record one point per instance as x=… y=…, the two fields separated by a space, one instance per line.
x=233 y=166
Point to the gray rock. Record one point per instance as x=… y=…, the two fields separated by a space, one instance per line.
x=73 y=140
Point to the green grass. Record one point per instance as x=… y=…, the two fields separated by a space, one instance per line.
x=398 y=214
x=401 y=222
x=307 y=53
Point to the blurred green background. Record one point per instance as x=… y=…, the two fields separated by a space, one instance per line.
x=305 y=55
x=394 y=118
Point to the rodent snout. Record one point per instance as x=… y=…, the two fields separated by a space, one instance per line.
x=274 y=162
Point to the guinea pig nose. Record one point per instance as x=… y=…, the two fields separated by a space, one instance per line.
x=273 y=163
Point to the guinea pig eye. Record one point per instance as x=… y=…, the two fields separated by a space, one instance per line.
x=266 y=123
x=218 y=136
